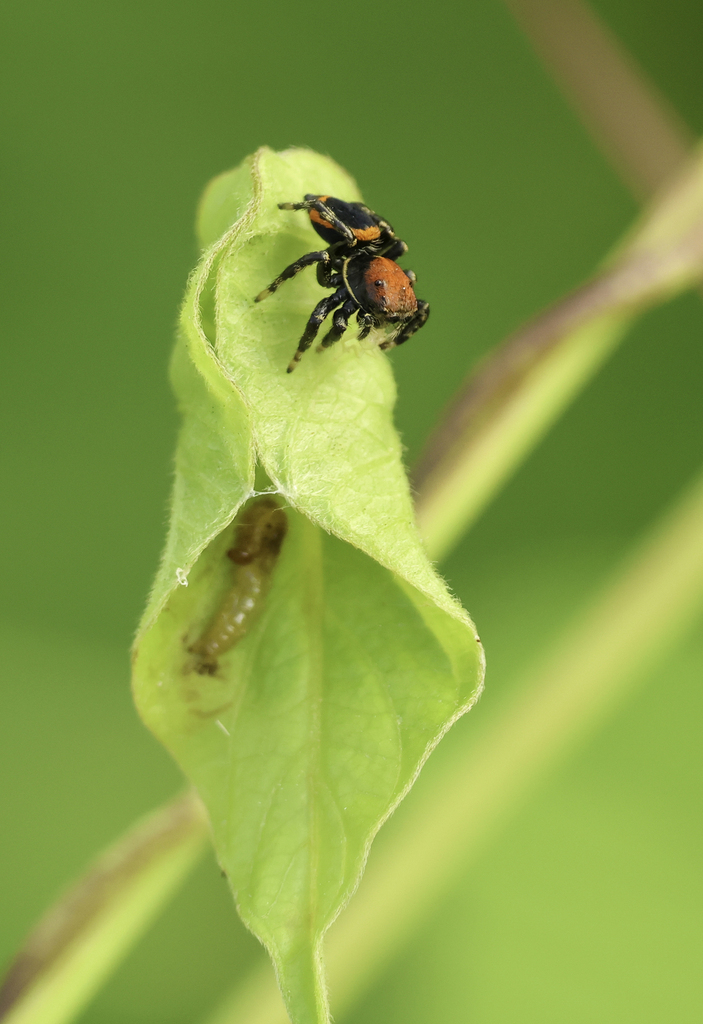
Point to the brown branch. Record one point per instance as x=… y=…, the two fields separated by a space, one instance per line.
x=162 y=831
x=639 y=279
x=637 y=129
x=643 y=137
x=499 y=376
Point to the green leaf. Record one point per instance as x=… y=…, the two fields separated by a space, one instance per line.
x=305 y=734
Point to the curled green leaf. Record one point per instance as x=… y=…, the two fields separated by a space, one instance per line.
x=352 y=659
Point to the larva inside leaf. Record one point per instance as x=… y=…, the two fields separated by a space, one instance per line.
x=257 y=545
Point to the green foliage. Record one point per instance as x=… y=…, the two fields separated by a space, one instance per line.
x=315 y=725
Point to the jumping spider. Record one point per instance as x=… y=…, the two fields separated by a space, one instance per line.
x=360 y=264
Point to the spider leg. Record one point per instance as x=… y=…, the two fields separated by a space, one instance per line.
x=365 y=321
x=396 y=250
x=327 y=214
x=411 y=326
x=339 y=325
x=323 y=258
x=321 y=310
x=328 y=276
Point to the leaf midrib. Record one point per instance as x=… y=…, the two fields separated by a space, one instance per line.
x=314 y=614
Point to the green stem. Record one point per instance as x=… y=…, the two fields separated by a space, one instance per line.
x=491 y=439
x=638 y=131
x=77 y=943
x=510 y=402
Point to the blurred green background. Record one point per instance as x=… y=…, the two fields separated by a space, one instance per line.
x=587 y=906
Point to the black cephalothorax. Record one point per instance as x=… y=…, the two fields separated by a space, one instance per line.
x=360 y=265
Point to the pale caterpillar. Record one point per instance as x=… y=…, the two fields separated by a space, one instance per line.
x=257 y=544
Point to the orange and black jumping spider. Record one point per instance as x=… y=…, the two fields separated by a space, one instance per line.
x=360 y=264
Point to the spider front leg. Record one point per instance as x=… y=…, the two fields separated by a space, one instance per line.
x=328 y=276
x=327 y=217
x=396 y=250
x=322 y=258
x=321 y=310
x=411 y=326
x=339 y=325
x=366 y=322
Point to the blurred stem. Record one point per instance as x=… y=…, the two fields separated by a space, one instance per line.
x=596 y=663
x=85 y=934
x=510 y=401
x=636 y=128
x=507 y=404
x=498 y=417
